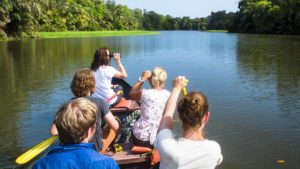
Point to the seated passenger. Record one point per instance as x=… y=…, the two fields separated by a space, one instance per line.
x=83 y=85
x=104 y=73
x=152 y=105
x=76 y=124
x=192 y=150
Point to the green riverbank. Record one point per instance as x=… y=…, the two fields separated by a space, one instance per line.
x=69 y=34
x=223 y=31
x=93 y=33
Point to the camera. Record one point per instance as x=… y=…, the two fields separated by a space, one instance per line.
x=111 y=54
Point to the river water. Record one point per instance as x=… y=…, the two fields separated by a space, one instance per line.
x=252 y=83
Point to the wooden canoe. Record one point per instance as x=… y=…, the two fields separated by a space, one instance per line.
x=126 y=159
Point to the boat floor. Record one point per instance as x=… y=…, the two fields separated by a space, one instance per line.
x=127 y=159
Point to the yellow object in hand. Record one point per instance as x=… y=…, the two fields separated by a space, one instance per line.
x=183 y=91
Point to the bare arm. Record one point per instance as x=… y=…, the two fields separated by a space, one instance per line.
x=111 y=121
x=167 y=118
x=122 y=73
x=136 y=92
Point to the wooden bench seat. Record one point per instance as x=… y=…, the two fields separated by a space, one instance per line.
x=126 y=156
x=125 y=106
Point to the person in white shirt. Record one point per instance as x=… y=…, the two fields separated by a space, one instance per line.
x=104 y=73
x=192 y=150
x=153 y=102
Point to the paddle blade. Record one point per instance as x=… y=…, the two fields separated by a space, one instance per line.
x=36 y=150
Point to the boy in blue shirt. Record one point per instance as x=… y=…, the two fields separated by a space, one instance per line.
x=76 y=123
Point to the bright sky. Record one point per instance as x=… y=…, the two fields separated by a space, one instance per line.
x=180 y=8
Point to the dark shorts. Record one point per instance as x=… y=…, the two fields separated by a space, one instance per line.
x=116 y=89
x=139 y=142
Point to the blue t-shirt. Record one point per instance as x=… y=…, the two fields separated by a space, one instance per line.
x=75 y=156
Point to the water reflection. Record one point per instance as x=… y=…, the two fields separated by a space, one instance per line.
x=25 y=69
x=272 y=63
x=269 y=68
x=252 y=82
x=35 y=75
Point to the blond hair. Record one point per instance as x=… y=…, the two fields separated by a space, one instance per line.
x=158 y=77
x=73 y=120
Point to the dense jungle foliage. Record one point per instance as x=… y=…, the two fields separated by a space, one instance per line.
x=19 y=18
x=267 y=16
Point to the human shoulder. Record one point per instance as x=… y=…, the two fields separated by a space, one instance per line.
x=166 y=141
x=167 y=92
x=100 y=161
x=102 y=106
x=215 y=151
x=109 y=69
x=41 y=163
x=150 y=92
x=213 y=145
x=167 y=146
x=86 y=157
x=145 y=91
x=94 y=160
x=166 y=133
x=75 y=156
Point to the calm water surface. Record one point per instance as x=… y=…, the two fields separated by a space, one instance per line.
x=252 y=83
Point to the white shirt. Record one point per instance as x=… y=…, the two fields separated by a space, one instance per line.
x=103 y=76
x=152 y=106
x=186 y=154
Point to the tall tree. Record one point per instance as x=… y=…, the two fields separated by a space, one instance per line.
x=5 y=9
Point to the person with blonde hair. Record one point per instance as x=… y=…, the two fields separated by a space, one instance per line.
x=152 y=105
x=76 y=124
x=192 y=150
x=107 y=127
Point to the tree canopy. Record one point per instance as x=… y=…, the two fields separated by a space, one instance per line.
x=19 y=18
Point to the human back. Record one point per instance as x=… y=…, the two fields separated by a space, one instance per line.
x=76 y=123
x=192 y=149
x=152 y=104
x=104 y=73
x=103 y=76
x=187 y=154
x=83 y=85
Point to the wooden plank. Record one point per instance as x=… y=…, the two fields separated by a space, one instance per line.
x=126 y=156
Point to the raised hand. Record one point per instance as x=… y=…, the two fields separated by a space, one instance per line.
x=179 y=82
x=146 y=75
x=117 y=58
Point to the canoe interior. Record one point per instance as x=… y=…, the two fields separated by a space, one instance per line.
x=125 y=159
